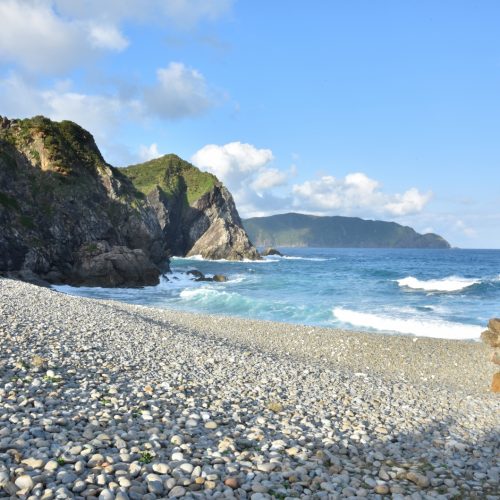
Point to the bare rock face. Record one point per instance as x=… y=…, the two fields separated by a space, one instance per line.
x=100 y=264
x=196 y=212
x=215 y=229
x=57 y=196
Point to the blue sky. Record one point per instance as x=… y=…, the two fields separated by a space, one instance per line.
x=386 y=110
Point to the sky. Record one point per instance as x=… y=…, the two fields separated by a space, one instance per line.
x=382 y=110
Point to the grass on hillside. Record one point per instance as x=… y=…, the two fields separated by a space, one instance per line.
x=173 y=175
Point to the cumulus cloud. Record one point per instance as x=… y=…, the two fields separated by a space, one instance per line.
x=234 y=160
x=181 y=13
x=179 y=92
x=410 y=202
x=53 y=36
x=354 y=195
x=101 y=114
x=182 y=92
x=149 y=152
x=268 y=179
x=260 y=189
x=34 y=37
x=245 y=170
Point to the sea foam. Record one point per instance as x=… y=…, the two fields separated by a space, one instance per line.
x=422 y=327
x=448 y=284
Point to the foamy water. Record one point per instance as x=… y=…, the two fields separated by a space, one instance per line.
x=432 y=293
x=448 y=284
x=414 y=326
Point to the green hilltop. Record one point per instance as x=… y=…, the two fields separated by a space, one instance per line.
x=172 y=175
x=336 y=232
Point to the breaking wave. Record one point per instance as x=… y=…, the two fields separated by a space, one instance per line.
x=435 y=328
x=449 y=284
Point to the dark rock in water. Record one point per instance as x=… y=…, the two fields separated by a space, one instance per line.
x=196 y=212
x=219 y=278
x=58 y=196
x=197 y=274
x=271 y=251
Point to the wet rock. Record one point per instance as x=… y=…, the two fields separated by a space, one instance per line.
x=271 y=251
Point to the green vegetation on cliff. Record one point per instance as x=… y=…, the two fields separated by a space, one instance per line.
x=337 y=232
x=172 y=175
x=63 y=145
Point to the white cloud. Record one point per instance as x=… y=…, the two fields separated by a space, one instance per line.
x=268 y=179
x=53 y=36
x=181 y=13
x=107 y=37
x=466 y=230
x=149 y=152
x=245 y=170
x=356 y=194
x=410 y=202
x=179 y=92
x=102 y=115
x=34 y=37
x=234 y=160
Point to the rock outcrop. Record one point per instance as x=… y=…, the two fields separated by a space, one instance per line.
x=66 y=216
x=271 y=251
x=196 y=212
x=491 y=337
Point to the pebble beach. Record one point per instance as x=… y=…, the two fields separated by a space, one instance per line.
x=101 y=399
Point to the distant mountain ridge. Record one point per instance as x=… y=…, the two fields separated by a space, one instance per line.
x=294 y=229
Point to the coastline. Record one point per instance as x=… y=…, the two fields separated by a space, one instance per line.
x=279 y=409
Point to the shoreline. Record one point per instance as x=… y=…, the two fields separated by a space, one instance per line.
x=126 y=401
x=408 y=357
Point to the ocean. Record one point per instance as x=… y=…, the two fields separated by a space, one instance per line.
x=433 y=293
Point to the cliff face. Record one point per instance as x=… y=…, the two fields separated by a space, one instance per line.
x=196 y=212
x=67 y=216
x=336 y=232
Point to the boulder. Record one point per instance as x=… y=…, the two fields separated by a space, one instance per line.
x=271 y=251
x=197 y=274
x=491 y=338
x=495 y=383
x=494 y=325
x=100 y=264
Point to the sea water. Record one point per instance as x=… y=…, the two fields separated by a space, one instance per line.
x=433 y=293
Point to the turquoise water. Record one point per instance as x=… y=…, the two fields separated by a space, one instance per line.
x=435 y=293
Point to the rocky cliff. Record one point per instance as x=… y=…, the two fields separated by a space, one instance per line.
x=67 y=216
x=196 y=212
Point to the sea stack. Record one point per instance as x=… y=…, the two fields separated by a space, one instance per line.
x=491 y=336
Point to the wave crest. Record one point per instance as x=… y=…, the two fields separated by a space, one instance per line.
x=422 y=327
x=449 y=284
